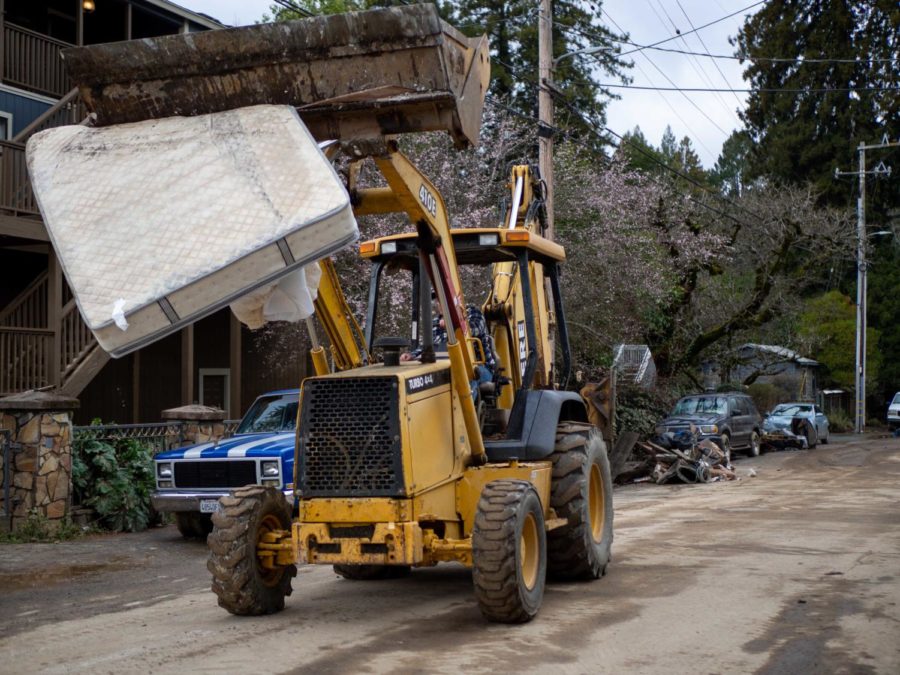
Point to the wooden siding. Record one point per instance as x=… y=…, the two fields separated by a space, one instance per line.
x=24 y=110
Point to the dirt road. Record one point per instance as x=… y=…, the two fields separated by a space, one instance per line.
x=792 y=571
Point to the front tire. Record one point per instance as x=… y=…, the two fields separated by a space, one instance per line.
x=755 y=444
x=243 y=585
x=509 y=552
x=580 y=492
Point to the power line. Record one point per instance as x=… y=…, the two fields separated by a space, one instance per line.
x=664 y=97
x=706 y=49
x=294 y=7
x=695 y=64
x=699 y=28
x=751 y=91
x=800 y=60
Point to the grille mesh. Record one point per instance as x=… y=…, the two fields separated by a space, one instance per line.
x=350 y=438
x=208 y=474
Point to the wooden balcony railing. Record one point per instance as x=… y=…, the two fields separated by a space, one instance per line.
x=68 y=110
x=29 y=308
x=25 y=357
x=32 y=61
x=15 y=185
x=75 y=339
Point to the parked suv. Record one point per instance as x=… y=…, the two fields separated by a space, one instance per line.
x=729 y=419
x=893 y=414
x=190 y=480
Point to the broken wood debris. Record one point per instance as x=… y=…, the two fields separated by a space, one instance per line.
x=703 y=462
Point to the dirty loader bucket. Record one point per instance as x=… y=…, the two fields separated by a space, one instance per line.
x=386 y=71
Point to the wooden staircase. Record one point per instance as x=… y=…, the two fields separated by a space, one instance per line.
x=44 y=342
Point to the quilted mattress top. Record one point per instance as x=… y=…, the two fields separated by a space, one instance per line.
x=138 y=211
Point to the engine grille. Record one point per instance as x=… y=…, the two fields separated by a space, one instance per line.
x=350 y=438
x=213 y=474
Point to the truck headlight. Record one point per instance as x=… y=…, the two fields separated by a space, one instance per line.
x=165 y=483
x=270 y=469
x=709 y=429
x=164 y=470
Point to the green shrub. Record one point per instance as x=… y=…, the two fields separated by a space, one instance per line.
x=640 y=410
x=38 y=528
x=115 y=478
x=839 y=422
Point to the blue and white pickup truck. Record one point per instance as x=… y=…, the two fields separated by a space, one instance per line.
x=190 y=480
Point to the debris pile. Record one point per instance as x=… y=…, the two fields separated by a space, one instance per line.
x=701 y=462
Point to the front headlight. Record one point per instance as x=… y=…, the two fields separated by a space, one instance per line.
x=164 y=470
x=709 y=429
x=270 y=470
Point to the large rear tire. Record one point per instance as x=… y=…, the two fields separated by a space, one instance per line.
x=509 y=552
x=372 y=572
x=240 y=581
x=580 y=492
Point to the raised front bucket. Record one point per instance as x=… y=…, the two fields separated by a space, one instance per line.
x=384 y=71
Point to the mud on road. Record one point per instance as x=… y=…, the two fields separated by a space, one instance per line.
x=792 y=571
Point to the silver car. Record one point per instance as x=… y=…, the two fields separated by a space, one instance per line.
x=783 y=415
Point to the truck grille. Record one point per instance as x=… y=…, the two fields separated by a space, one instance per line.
x=212 y=474
x=350 y=438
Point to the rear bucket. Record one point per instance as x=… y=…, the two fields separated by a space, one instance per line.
x=360 y=74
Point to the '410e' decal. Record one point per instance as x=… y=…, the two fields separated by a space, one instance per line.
x=428 y=200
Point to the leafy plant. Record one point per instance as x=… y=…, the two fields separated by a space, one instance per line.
x=839 y=422
x=115 y=478
x=38 y=528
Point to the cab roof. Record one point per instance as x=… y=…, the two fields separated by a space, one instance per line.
x=473 y=246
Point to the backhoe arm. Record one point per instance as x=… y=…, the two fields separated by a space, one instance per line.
x=348 y=344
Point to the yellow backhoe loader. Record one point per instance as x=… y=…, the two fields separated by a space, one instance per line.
x=460 y=449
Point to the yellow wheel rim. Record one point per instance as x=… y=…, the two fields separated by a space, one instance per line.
x=529 y=552
x=595 y=503
x=270 y=523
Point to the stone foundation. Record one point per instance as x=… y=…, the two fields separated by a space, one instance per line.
x=40 y=456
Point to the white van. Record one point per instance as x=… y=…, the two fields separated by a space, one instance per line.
x=893 y=415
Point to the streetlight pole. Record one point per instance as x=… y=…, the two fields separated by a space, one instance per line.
x=862 y=272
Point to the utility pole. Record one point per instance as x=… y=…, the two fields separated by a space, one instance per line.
x=545 y=108
x=862 y=272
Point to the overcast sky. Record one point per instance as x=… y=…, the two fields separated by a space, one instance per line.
x=707 y=118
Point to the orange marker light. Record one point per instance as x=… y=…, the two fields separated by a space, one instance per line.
x=518 y=235
x=367 y=247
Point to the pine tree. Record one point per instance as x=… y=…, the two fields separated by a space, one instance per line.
x=512 y=28
x=803 y=136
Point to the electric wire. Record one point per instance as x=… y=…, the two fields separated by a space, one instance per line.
x=694 y=63
x=664 y=97
x=706 y=49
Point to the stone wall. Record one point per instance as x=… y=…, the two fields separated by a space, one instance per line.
x=201 y=424
x=40 y=466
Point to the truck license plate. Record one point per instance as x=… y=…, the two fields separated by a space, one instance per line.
x=209 y=505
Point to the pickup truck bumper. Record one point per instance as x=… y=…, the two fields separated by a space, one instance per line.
x=179 y=502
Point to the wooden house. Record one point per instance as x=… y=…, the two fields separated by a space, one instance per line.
x=43 y=340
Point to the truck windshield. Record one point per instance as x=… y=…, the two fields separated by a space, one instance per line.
x=270 y=413
x=701 y=404
x=897 y=398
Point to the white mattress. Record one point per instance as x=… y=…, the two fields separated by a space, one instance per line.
x=171 y=219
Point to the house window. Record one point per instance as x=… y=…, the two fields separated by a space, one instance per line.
x=215 y=388
x=6 y=126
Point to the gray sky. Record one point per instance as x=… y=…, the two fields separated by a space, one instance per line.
x=707 y=118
